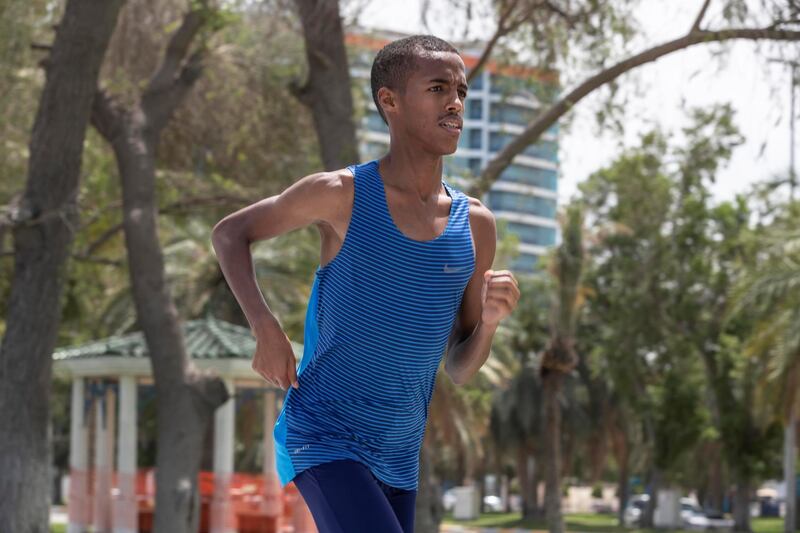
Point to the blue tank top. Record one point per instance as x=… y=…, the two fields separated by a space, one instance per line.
x=377 y=324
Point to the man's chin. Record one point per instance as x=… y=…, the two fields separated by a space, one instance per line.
x=450 y=151
x=447 y=148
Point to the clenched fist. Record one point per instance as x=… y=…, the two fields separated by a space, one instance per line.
x=274 y=360
x=499 y=296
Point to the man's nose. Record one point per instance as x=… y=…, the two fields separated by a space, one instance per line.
x=455 y=104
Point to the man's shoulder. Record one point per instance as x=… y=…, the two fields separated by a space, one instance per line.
x=331 y=187
x=334 y=192
x=335 y=181
x=480 y=216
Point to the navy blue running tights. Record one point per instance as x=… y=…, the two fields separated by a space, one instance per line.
x=345 y=497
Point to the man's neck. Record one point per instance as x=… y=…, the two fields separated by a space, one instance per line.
x=413 y=172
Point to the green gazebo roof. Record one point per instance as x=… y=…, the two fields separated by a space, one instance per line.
x=207 y=338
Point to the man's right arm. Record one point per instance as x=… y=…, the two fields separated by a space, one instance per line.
x=313 y=199
x=316 y=198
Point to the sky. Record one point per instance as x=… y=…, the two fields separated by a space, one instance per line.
x=758 y=91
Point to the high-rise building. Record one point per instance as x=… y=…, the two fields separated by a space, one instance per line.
x=501 y=101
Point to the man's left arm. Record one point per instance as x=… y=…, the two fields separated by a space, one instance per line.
x=490 y=296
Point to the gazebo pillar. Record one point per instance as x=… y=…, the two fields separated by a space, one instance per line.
x=101 y=517
x=126 y=505
x=78 y=507
x=222 y=517
x=273 y=495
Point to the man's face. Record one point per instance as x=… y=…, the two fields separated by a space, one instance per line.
x=430 y=109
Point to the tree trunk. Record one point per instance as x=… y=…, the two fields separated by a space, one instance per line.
x=526 y=472
x=552 y=381
x=789 y=469
x=716 y=489
x=621 y=449
x=185 y=398
x=429 y=510
x=648 y=513
x=524 y=480
x=741 y=504
x=327 y=90
x=43 y=228
x=535 y=475
x=622 y=488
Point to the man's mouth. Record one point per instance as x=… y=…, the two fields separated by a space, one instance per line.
x=452 y=125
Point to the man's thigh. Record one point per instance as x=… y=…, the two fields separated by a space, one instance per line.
x=344 y=497
x=403 y=503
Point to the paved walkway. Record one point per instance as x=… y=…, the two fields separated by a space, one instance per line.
x=454 y=528
x=58 y=515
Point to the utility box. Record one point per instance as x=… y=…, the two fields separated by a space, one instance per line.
x=467 y=504
x=668 y=509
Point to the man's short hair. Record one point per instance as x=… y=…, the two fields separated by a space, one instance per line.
x=394 y=62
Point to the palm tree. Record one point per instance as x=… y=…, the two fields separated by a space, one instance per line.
x=516 y=416
x=771 y=289
x=283 y=269
x=559 y=357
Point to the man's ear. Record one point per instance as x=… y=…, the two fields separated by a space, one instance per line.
x=387 y=100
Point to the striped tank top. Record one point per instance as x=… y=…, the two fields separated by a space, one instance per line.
x=378 y=320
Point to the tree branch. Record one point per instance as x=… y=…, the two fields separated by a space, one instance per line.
x=174 y=77
x=501 y=31
x=184 y=205
x=539 y=125
x=700 y=15
x=506 y=24
x=106 y=115
x=177 y=49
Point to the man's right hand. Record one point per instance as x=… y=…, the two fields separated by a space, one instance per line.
x=324 y=199
x=274 y=360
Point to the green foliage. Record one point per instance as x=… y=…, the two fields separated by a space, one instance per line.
x=662 y=267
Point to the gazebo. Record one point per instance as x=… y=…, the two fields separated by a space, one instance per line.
x=107 y=494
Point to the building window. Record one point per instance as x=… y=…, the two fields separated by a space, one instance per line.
x=513 y=87
x=525 y=262
x=470 y=138
x=511 y=114
x=475 y=138
x=475 y=165
x=538 y=177
x=547 y=150
x=522 y=203
x=462 y=166
x=374 y=122
x=477 y=83
x=372 y=150
x=474 y=109
x=533 y=233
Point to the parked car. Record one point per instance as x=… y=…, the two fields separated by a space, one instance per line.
x=693 y=516
x=491 y=502
x=632 y=514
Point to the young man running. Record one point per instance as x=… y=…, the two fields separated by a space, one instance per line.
x=405 y=275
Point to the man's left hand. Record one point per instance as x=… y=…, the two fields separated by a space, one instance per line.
x=499 y=296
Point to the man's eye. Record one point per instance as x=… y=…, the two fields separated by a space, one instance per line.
x=436 y=87
x=462 y=94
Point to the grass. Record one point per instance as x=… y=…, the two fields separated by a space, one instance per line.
x=587 y=523
x=591 y=523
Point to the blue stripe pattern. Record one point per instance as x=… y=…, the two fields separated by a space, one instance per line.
x=377 y=325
